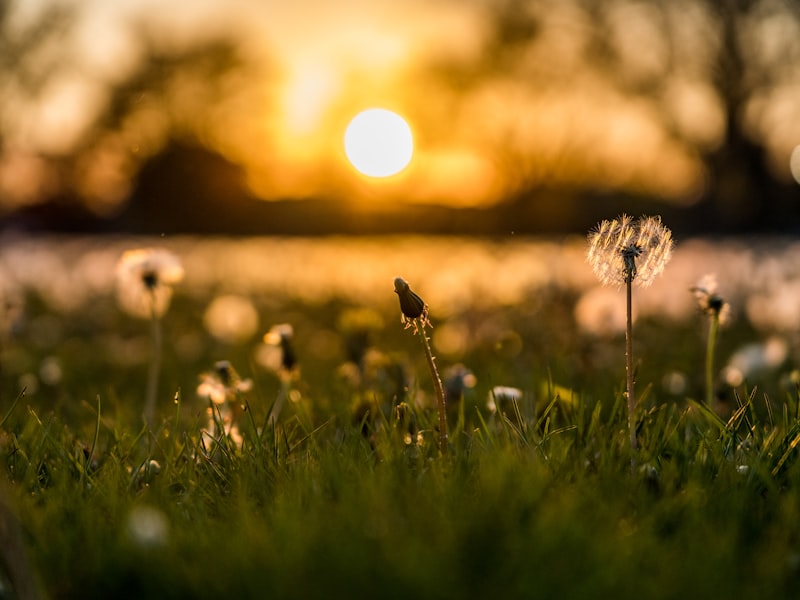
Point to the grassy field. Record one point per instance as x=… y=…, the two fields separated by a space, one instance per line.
x=346 y=494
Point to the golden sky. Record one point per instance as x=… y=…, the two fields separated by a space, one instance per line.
x=547 y=119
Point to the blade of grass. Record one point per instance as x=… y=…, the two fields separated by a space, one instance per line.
x=12 y=407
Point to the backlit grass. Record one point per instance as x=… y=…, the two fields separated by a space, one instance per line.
x=347 y=493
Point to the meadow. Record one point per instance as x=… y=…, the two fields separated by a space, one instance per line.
x=344 y=492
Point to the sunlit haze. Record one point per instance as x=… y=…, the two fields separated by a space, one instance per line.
x=492 y=114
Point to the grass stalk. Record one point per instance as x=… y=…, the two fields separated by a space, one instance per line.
x=713 y=329
x=155 y=366
x=629 y=368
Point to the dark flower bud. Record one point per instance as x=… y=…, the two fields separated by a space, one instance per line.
x=411 y=305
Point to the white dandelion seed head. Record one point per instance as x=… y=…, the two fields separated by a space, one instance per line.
x=145 y=278
x=627 y=248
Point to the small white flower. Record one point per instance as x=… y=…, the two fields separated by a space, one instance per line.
x=223 y=384
x=502 y=395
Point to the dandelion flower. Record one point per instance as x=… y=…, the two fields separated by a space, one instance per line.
x=144 y=281
x=628 y=249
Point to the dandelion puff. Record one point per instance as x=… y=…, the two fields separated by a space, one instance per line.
x=145 y=278
x=624 y=251
x=629 y=249
x=144 y=289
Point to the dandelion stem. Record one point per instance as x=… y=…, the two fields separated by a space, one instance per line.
x=437 y=385
x=283 y=394
x=629 y=368
x=155 y=367
x=713 y=328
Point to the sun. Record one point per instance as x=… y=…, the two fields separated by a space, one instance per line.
x=378 y=143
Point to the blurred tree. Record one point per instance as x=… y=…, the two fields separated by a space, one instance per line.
x=171 y=91
x=723 y=49
x=27 y=61
x=711 y=75
x=172 y=95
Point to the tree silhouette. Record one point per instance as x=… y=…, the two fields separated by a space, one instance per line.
x=641 y=49
x=174 y=92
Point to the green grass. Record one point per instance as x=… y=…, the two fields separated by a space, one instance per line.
x=334 y=501
x=325 y=512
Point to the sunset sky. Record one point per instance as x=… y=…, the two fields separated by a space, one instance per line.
x=485 y=120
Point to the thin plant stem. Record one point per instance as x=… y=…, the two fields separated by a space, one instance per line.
x=437 y=385
x=283 y=394
x=155 y=367
x=629 y=367
x=713 y=328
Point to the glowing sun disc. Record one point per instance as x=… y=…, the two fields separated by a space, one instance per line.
x=378 y=142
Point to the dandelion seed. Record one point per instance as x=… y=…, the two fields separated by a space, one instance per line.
x=627 y=249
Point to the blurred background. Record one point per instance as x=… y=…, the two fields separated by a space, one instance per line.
x=529 y=116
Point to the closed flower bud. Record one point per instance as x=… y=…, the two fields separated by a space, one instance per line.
x=411 y=305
